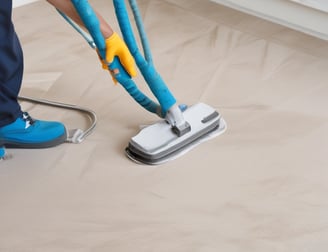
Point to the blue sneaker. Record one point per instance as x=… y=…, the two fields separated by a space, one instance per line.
x=28 y=133
x=2 y=152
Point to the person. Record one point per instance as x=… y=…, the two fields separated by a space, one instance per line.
x=17 y=128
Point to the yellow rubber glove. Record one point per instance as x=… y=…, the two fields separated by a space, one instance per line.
x=115 y=46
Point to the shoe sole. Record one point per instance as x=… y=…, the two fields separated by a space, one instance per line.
x=48 y=144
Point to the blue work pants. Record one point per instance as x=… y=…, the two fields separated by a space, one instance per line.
x=11 y=66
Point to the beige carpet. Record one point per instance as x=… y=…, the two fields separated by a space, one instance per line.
x=262 y=186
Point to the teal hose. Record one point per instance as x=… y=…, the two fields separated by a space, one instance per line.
x=151 y=76
x=144 y=63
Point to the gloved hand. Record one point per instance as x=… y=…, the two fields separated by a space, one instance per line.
x=115 y=46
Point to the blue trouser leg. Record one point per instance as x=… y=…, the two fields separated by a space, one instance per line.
x=11 y=66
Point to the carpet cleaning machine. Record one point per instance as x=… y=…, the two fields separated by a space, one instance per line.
x=181 y=127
